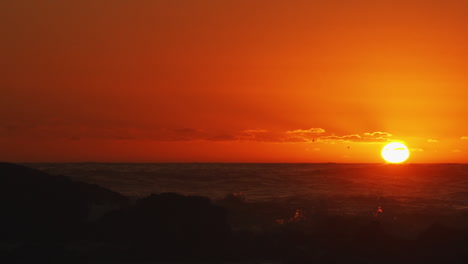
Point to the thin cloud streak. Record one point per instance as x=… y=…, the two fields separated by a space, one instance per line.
x=186 y=134
x=373 y=137
x=307 y=131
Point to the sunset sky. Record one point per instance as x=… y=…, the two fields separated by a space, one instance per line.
x=232 y=80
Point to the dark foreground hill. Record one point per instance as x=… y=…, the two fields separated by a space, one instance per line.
x=38 y=206
x=52 y=219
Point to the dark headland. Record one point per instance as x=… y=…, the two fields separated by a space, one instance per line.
x=53 y=219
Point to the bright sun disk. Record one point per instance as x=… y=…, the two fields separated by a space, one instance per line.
x=395 y=152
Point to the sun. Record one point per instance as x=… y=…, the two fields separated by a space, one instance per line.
x=395 y=152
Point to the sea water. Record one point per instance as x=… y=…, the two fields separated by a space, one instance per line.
x=344 y=188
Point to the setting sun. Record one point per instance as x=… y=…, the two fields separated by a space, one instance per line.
x=395 y=152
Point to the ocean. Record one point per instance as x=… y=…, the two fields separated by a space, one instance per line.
x=349 y=189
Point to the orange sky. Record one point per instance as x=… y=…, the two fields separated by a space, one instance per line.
x=233 y=80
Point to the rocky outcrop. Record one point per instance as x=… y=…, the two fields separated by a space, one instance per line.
x=168 y=225
x=38 y=206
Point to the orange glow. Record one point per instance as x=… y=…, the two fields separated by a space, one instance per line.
x=233 y=81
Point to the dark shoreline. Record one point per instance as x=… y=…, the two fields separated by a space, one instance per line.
x=53 y=219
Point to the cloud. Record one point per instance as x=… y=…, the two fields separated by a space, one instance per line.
x=263 y=135
x=342 y=138
x=464 y=138
x=302 y=135
x=456 y=150
x=178 y=134
x=72 y=132
x=307 y=131
x=366 y=137
x=432 y=140
x=378 y=134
